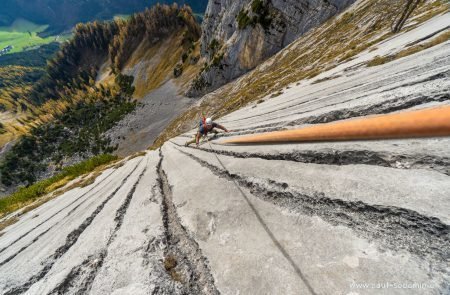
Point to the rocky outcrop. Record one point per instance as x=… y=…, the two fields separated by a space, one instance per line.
x=239 y=35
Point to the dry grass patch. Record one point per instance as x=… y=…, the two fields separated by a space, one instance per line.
x=58 y=184
x=116 y=165
x=378 y=60
x=170 y=263
x=90 y=179
x=161 y=59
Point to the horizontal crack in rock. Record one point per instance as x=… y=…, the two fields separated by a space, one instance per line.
x=385 y=107
x=442 y=75
x=395 y=228
x=335 y=157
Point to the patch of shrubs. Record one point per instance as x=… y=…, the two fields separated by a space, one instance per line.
x=76 y=133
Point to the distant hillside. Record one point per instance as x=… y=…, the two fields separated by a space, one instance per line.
x=71 y=108
x=30 y=58
x=64 y=14
x=18 y=73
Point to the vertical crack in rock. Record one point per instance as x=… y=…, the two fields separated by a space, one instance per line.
x=395 y=228
x=353 y=157
x=82 y=276
x=159 y=281
x=149 y=247
x=183 y=257
x=70 y=241
x=56 y=213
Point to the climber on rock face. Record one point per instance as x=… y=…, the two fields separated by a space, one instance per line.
x=206 y=125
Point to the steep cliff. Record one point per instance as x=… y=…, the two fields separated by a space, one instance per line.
x=238 y=35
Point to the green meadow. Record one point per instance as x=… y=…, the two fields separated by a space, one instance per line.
x=23 y=34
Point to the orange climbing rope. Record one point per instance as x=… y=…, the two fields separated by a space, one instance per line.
x=431 y=122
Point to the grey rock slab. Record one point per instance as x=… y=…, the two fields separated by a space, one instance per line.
x=37 y=254
x=423 y=191
x=434 y=147
x=134 y=264
x=40 y=219
x=398 y=78
x=267 y=250
x=90 y=243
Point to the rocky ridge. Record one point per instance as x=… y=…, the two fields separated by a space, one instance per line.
x=238 y=35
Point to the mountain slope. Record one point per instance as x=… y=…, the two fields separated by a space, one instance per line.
x=63 y=15
x=85 y=90
x=18 y=72
x=361 y=30
x=238 y=36
x=162 y=64
x=262 y=219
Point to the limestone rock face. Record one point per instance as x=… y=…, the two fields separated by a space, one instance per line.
x=237 y=35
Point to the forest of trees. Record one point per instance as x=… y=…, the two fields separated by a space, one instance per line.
x=153 y=24
x=77 y=62
x=18 y=72
x=77 y=132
